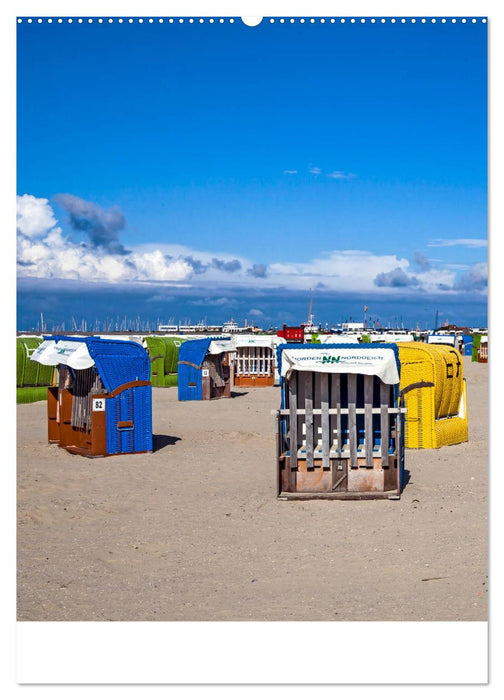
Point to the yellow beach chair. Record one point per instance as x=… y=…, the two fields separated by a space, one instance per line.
x=433 y=390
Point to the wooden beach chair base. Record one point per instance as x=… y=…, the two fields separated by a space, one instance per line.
x=253 y=380
x=339 y=481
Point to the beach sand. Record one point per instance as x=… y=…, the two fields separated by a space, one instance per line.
x=194 y=531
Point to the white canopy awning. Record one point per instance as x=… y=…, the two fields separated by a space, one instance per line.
x=66 y=352
x=392 y=337
x=217 y=347
x=335 y=338
x=443 y=339
x=257 y=341
x=366 y=360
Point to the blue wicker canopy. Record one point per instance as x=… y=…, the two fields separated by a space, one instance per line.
x=117 y=361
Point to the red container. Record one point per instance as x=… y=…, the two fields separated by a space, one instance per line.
x=292 y=334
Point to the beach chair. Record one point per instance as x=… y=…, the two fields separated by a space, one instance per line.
x=433 y=389
x=340 y=425
x=102 y=404
x=205 y=369
x=255 y=360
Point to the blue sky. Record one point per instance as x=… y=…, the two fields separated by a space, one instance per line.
x=216 y=170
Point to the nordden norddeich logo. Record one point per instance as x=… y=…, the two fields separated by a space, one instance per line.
x=330 y=359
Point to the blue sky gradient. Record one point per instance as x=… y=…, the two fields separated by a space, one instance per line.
x=257 y=167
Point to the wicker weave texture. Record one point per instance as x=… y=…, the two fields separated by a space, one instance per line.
x=116 y=370
x=119 y=361
x=451 y=431
x=30 y=373
x=135 y=405
x=163 y=354
x=436 y=415
x=157 y=355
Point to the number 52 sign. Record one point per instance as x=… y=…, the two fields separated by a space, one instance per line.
x=98 y=404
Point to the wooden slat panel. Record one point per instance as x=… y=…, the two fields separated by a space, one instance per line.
x=309 y=418
x=278 y=452
x=336 y=403
x=317 y=418
x=384 y=421
x=293 y=422
x=352 y=418
x=324 y=424
x=301 y=405
x=368 y=418
x=398 y=423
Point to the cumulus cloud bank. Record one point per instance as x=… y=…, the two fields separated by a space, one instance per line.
x=92 y=252
x=344 y=270
x=43 y=251
x=475 y=279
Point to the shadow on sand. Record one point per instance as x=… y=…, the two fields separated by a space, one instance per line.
x=161 y=441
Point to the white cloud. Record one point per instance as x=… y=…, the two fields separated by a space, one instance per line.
x=34 y=216
x=290 y=172
x=340 y=175
x=466 y=242
x=455 y=266
x=42 y=251
x=155 y=266
x=345 y=270
x=474 y=279
x=356 y=271
x=433 y=279
x=314 y=170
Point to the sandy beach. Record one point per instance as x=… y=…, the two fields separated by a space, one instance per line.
x=194 y=531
